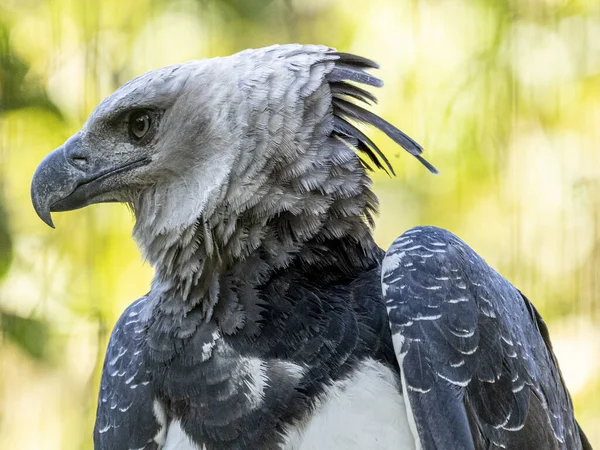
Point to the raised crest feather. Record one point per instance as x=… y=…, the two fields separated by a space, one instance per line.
x=350 y=69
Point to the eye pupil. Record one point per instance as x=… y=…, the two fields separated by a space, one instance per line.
x=139 y=124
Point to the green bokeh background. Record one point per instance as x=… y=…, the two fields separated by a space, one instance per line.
x=503 y=94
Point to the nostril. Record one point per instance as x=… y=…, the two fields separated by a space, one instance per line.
x=74 y=154
x=79 y=161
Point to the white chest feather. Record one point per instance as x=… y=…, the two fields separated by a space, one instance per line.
x=365 y=411
x=176 y=439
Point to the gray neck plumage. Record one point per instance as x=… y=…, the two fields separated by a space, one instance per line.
x=314 y=221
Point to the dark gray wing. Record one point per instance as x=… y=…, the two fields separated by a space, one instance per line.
x=476 y=363
x=125 y=418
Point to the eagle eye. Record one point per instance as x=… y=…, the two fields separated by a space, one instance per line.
x=139 y=124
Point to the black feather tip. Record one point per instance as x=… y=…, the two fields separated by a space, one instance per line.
x=351 y=68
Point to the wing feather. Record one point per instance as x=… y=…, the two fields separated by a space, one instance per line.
x=125 y=416
x=474 y=354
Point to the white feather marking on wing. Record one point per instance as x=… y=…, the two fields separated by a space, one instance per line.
x=391 y=262
x=463 y=334
x=458 y=364
x=433 y=288
x=468 y=352
x=398 y=341
x=454 y=382
x=420 y=317
x=105 y=429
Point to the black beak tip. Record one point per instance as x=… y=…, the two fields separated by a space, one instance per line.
x=43 y=213
x=40 y=206
x=47 y=219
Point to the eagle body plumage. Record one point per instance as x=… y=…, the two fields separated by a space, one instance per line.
x=259 y=392
x=274 y=320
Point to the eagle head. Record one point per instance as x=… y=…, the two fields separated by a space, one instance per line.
x=226 y=155
x=173 y=131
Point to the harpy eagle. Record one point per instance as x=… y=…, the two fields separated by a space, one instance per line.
x=274 y=320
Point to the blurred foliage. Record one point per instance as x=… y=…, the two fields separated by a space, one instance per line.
x=15 y=90
x=504 y=95
x=5 y=243
x=28 y=334
x=31 y=335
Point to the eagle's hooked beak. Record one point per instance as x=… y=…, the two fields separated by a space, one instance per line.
x=67 y=179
